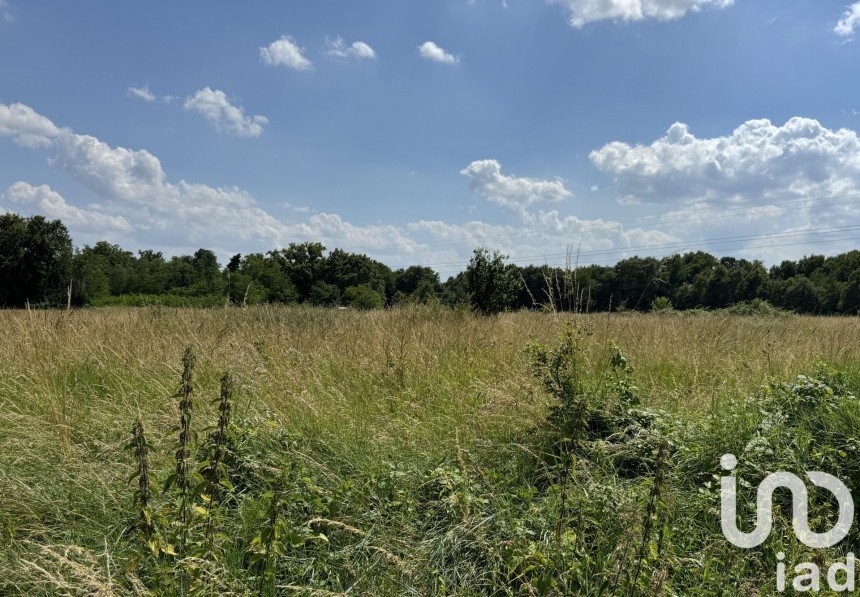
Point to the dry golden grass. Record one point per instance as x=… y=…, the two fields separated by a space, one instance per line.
x=381 y=372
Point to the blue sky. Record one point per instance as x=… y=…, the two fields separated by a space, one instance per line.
x=525 y=125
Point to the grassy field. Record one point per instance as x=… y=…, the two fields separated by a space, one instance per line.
x=414 y=451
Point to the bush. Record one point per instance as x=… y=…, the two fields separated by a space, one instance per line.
x=362 y=297
x=755 y=307
x=661 y=303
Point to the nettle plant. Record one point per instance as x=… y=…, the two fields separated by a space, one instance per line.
x=236 y=513
x=598 y=435
x=182 y=527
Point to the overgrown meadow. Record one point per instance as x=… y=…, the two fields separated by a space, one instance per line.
x=413 y=451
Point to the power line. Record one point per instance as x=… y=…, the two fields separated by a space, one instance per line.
x=675 y=244
x=661 y=220
x=690 y=245
x=793 y=244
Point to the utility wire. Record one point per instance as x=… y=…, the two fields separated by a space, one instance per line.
x=723 y=249
x=659 y=220
x=676 y=244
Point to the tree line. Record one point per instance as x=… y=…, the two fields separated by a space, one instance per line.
x=40 y=267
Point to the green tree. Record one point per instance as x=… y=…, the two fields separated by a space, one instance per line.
x=800 y=295
x=90 y=276
x=455 y=291
x=303 y=263
x=35 y=260
x=206 y=277
x=491 y=283
x=324 y=295
x=150 y=273
x=265 y=279
x=409 y=280
x=850 y=301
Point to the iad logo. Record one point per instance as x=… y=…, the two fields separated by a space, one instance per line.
x=808 y=578
x=799 y=507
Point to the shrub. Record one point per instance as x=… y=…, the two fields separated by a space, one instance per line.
x=758 y=307
x=362 y=297
x=661 y=304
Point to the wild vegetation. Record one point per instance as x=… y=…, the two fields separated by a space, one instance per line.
x=40 y=267
x=412 y=450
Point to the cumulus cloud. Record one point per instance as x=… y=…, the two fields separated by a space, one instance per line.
x=548 y=239
x=430 y=51
x=582 y=12
x=285 y=52
x=132 y=185
x=142 y=93
x=139 y=206
x=849 y=21
x=357 y=49
x=217 y=109
x=45 y=201
x=131 y=200
x=758 y=160
x=26 y=126
x=762 y=178
x=515 y=193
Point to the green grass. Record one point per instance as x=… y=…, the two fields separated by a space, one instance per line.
x=417 y=449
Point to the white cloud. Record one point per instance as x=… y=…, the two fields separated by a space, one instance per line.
x=357 y=49
x=546 y=240
x=26 y=126
x=138 y=206
x=515 y=193
x=583 y=12
x=132 y=185
x=760 y=179
x=430 y=51
x=217 y=109
x=142 y=93
x=45 y=201
x=849 y=22
x=132 y=201
x=285 y=52
x=758 y=160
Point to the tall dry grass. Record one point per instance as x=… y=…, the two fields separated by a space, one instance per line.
x=411 y=385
